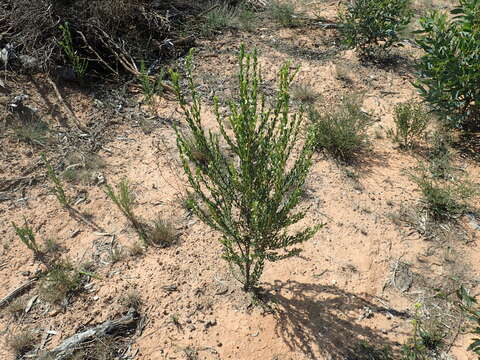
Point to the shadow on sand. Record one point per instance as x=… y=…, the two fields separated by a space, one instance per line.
x=321 y=319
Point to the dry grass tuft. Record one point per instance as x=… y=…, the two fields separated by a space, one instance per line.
x=162 y=233
x=305 y=94
x=131 y=299
x=21 y=342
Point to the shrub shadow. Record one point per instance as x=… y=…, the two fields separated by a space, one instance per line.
x=316 y=318
x=468 y=145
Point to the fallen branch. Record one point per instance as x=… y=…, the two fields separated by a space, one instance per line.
x=97 y=55
x=73 y=117
x=17 y=292
x=125 y=59
x=78 y=216
x=109 y=327
x=8 y=184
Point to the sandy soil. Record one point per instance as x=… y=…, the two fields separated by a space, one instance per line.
x=338 y=293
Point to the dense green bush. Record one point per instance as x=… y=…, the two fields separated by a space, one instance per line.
x=249 y=191
x=411 y=120
x=342 y=131
x=372 y=25
x=449 y=71
x=470 y=306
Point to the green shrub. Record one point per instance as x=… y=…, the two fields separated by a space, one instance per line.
x=27 y=237
x=372 y=25
x=425 y=341
x=151 y=85
x=125 y=200
x=341 y=131
x=61 y=280
x=78 y=63
x=411 y=120
x=249 y=194
x=470 y=306
x=58 y=189
x=449 y=71
x=47 y=254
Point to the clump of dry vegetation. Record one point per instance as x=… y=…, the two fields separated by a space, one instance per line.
x=21 y=342
x=90 y=38
x=341 y=131
x=60 y=281
x=162 y=233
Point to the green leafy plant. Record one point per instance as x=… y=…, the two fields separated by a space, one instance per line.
x=342 y=131
x=414 y=349
x=469 y=306
x=125 y=200
x=372 y=25
x=58 y=189
x=424 y=340
x=449 y=71
x=151 y=85
x=61 y=280
x=411 y=120
x=46 y=254
x=78 y=63
x=249 y=194
x=27 y=237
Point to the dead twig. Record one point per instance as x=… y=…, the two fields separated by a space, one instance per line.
x=8 y=184
x=73 y=117
x=124 y=58
x=65 y=349
x=97 y=55
x=79 y=216
x=17 y=292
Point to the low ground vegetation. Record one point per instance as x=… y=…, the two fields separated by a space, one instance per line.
x=284 y=13
x=411 y=121
x=445 y=198
x=342 y=130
